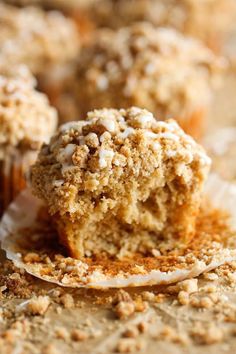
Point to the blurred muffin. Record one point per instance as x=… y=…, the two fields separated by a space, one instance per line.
x=221 y=146
x=26 y=121
x=209 y=20
x=79 y=10
x=157 y=69
x=46 y=42
x=120 y=182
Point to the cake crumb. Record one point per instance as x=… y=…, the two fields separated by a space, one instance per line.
x=38 y=305
x=124 y=309
x=210 y=276
x=189 y=285
x=62 y=333
x=50 y=349
x=207 y=336
x=67 y=301
x=131 y=332
x=129 y=345
x=183 y=298
x=79 y=335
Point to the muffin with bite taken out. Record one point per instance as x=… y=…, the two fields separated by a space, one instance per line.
x=120 y=182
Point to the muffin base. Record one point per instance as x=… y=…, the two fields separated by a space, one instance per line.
x=32 y=244
x=12 y=176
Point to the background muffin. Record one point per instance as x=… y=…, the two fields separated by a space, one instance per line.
x=26 y=121
x=46 y=42
x=209 y=20
x=81 y=11
x=157 y=69
x=120 y=182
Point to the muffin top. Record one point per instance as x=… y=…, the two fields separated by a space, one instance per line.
x=26 y=118
x=196 y=17
x=93 y=160
x=55 y=4
x=156 y=68
x=36 y=38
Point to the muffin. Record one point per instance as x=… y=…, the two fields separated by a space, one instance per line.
x=209 y=20
x=78 y=10
x=46 y=42
x=157 y=69
x=26 y=121
x=121 y=182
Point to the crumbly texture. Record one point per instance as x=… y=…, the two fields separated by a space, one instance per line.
x=56 y=4
x=154 y=68
x=26 y=117
x=120 y=181
x=37 y=38
x=205 y=19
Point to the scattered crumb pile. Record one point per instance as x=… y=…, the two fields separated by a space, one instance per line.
x=190 y=313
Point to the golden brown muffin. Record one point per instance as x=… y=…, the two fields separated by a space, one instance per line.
x=46 y=42
x=120 y=182
x=26 y=121
x=81 y=11
x=157 y=69
x=209 y=20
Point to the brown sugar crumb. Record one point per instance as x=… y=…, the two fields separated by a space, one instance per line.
x=50 y=349
x=140 y=305
x=62 y=333
x=207 y=336
x=31 y=257
x=183 y=298
x=131 y=332
x=123 y=305
x=38 y=305
x=148 y=296
x=67 y=301
x=189 y=285
x=79 y=335
x=129 y=345
x=210 y=276
x=143 y=327
x=124 y=309
x=170 y=334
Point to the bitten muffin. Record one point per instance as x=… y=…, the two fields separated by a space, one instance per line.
x=46 y=42
x=209 y=20
x=120 y=182
x=158 y=69
x=26 y=121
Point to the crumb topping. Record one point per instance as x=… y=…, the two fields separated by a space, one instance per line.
x=111 y=145
x=55 y=4
x=26 y=118
x=155 y=68
x=36 y=38
x=196 y=17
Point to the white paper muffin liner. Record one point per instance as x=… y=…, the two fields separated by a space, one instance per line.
x=221 y=147
x=32 y=244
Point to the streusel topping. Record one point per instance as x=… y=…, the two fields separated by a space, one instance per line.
x=200 y=18
x=55 y=4
x=26 y=118
x=110 y=146
x=155 y=68
x=36 y=38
